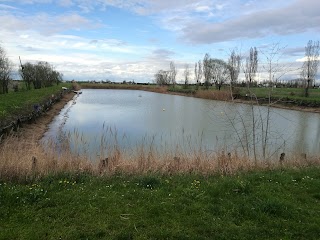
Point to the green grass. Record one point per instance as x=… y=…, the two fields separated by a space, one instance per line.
x=295 y=94
x=17 y=102
x=258 y=205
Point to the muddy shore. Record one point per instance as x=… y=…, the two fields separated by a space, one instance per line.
x=36 y=130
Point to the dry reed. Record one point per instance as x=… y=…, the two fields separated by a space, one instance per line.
x=22 y=161
x=222 y=95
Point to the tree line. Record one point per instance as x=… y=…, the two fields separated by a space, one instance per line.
x=34 y=75
x=212 y=71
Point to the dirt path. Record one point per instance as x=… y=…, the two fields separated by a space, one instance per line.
x=35 y=131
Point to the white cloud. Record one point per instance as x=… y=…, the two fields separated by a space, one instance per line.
x=301 y=16
x=7 y=7
x=83 y=58
x=46 y=24
x=306 y=59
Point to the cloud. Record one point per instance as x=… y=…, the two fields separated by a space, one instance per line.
x=7 y=7
x=297 y=51
x=301 y=16
x=84 y=58
x=46 y=24
x=161 y=54
x=304 y=59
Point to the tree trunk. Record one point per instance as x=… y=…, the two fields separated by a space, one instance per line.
x=306 y=92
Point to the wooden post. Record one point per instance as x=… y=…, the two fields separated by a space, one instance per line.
x=34 y=164
x=103 y=165
x=281 y=160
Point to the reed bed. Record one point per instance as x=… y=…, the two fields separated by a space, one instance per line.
x=22 y=161
x=222 y=95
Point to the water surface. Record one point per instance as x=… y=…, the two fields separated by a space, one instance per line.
x=130 y=118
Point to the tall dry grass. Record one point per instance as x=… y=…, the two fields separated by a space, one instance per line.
x=22 y=161
x=222 y=95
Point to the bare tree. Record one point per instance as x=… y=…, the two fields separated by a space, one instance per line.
x=207 y=70
x=275 y=71
x=162 y=77
x=173 y=73
x=219 y=72
x=186 y=75
x=198 y=72
x=234 y=68
x=310 y=65
x=234 y=64
x=251 y=67
x=5 y=71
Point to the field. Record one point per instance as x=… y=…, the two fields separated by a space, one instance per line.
x=279 y=204
x=285 y=93
x=22 y=101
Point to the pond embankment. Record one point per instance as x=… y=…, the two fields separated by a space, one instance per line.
x=31 y=111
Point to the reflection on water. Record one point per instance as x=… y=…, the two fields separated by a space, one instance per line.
x=130 y=118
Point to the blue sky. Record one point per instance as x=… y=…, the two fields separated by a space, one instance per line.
x=133 y=39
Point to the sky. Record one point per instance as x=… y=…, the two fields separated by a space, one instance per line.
x=133 y=39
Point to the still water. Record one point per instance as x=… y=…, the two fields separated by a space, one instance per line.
x=129 y=118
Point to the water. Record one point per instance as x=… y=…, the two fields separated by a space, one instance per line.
x=100 y=118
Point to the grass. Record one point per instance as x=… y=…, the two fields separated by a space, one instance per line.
x=22 y=101
x=256 y=205
x=295 y=95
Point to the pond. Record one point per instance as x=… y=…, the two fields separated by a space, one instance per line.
x=96 y=119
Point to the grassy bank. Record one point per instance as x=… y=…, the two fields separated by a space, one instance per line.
x=286 y=96
x=20 y=102
x=258 y=205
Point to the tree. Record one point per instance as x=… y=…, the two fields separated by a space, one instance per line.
x=234 y=67
x=40 y=75
x=173 y=74
x=275 y=70
x=251 y=67
x=186 y=75
x=162 y=77
x=219 y=72
x=206 y=70
x=198 y=72
x=310 y=65
x=5 y=71
x=27 y=73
